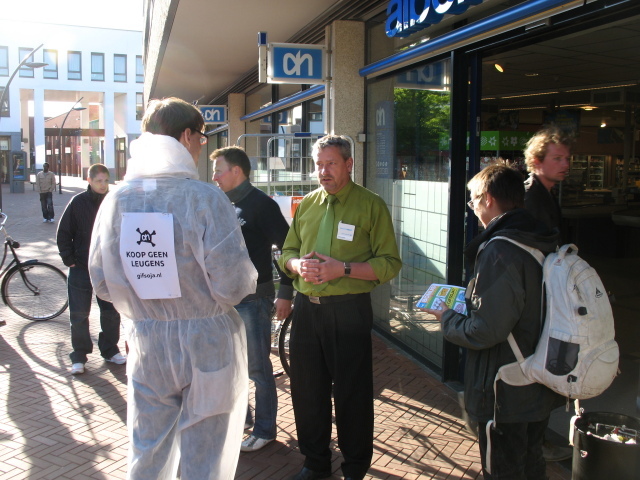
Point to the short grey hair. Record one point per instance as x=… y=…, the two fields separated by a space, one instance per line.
x=339 y=141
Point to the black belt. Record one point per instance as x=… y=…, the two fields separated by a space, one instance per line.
x=333 y=298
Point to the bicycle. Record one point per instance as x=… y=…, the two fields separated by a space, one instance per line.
x=34 y=290
x=280 y=331
x=280 y=328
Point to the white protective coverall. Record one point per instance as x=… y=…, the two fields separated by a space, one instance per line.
x=187 y=364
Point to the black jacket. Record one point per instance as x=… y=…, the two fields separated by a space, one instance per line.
x=75 y=226
x=262 y=226
x=506 y=299
x=542 y=203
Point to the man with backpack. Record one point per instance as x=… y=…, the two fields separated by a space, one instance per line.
x=503 y=297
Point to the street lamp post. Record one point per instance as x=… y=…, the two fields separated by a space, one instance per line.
x=72 y=109
x=6 y=87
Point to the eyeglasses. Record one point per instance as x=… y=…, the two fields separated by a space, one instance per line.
x=203 y=138
x=471 y=203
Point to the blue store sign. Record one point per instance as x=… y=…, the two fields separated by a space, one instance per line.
x=213 y=113
x=405 y=17
x=291 y=63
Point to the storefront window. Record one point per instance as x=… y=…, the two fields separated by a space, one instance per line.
x=408 y=165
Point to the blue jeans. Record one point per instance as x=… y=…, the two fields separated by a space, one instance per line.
x=256 y=314
x=46 y=203
x=80 y=294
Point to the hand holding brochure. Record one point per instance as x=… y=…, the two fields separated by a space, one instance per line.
x=450 y=295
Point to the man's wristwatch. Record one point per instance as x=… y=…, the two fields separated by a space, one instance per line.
x=347 y=269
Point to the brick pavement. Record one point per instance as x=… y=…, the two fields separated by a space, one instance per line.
x=57 y=426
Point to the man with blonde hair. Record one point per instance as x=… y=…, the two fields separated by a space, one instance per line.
x=547 y=156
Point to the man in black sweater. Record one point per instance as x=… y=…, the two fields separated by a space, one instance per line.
x=547 y=156
x=74 y=238
x=263 y=226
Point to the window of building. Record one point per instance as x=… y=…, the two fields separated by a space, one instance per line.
x=4 y=61
x=139 y=106
x=409 y=127
x=97 y=67
x=119 y=68
x=4 y=108
x=50 y=57
x=25 y=71
x=74 y=62
x=139 y=69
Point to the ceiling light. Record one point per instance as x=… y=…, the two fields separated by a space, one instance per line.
x=588 y=108
x=499 y=67
x=531 y=74
x=603 y=124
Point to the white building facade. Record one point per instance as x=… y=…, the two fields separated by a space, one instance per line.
x=99 y=69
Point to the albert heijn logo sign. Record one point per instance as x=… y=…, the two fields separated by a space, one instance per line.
x=292 y=63
x=405 y=17
x=213 y=113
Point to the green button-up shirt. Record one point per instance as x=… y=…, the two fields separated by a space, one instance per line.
x=373 y=241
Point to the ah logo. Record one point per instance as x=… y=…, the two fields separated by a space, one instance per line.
x=146 y=237
x=213 y=113
x=296 y=62
x=291 y=63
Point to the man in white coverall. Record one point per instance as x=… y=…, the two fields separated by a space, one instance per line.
x=168 y=252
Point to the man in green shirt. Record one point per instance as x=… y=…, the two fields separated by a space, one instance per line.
x=341 y=245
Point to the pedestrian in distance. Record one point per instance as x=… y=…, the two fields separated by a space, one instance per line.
x=46 y=185
x=73 y=238
x=263 y=226
x=168 y=251
x=341 y=245
x=504 y=296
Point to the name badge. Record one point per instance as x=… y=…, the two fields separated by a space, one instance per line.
x=346 y=231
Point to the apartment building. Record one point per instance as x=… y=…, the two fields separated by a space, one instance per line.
x=82 y=107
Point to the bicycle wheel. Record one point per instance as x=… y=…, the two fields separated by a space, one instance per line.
x=37 y=291
x=283 y=343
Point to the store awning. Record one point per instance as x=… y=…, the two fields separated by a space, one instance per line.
x=219 y=129
x=285 y=103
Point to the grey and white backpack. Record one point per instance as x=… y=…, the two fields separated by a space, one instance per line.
x=576 y=355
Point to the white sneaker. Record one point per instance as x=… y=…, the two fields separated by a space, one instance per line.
x=44 y=220
x=53 y=220
x=77 y=368
x=118 y=359
x=251 y=443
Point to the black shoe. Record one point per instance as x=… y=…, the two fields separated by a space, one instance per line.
x=306 y=474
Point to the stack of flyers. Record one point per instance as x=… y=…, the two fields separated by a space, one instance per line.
x=450 y=295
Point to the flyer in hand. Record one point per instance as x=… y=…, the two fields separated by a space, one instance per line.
x=451 y=295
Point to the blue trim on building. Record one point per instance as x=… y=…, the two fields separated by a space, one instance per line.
x=286 y=102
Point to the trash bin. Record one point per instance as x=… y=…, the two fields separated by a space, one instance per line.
x=595 y=458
